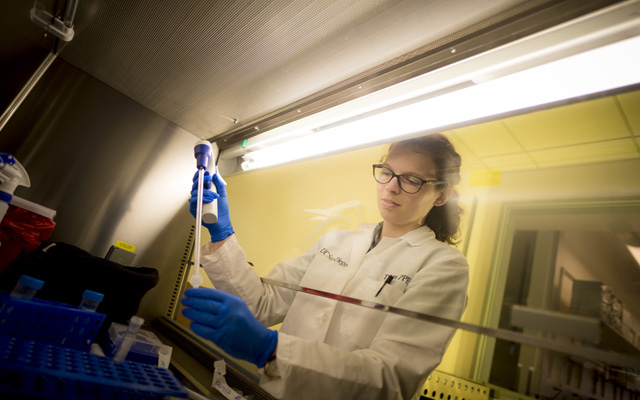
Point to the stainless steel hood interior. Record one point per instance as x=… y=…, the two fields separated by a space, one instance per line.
x=205 y=65
x=218 y=68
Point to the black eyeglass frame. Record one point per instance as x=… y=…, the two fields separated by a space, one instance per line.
x=394 y=175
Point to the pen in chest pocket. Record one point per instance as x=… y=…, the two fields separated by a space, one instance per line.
x=387 y=280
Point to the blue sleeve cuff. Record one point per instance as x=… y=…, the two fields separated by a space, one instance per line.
x=221 y=235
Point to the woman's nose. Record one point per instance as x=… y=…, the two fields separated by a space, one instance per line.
x=393 y=185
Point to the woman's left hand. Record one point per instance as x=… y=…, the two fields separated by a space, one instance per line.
x=227 y=321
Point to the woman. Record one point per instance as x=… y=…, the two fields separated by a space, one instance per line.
x=328 y=349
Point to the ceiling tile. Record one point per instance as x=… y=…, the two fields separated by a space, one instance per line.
x=610 y=150
x=515 y=161
x=469 y=160
x=630 y=103
x=586 y=122
x=488 y=139
x=472 y=164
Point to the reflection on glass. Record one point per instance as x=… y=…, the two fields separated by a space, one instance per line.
x=407 y=260
x=550 y=199
x=560 y=286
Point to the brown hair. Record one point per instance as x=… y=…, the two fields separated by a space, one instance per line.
x=443 y=220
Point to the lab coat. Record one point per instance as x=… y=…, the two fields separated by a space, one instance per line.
x=333 y=350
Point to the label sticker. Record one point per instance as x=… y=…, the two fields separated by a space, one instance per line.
x=125 y=246
x=220 y=383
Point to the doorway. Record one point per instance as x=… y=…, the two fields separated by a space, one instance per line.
x=548 y=255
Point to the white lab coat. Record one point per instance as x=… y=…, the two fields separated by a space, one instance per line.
x=331 y=350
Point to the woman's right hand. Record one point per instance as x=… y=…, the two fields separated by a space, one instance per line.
x=222 y=229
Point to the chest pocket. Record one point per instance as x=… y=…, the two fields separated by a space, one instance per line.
x=359 y=325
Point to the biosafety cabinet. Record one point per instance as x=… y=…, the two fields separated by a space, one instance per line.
x=103 y=102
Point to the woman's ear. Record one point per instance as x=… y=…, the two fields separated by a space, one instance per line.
x=444 y=196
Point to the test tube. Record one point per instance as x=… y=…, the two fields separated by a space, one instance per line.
x=125 y=343
x=26 y=287
x=90 y=300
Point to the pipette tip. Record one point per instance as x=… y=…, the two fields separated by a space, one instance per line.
x=195 y=280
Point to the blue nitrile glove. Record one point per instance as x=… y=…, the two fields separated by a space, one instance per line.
x=222 y=229
x=226 y=321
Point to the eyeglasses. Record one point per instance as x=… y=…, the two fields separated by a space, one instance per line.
x=407 y=183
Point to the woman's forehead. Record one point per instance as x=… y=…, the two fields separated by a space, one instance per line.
x=407 y=160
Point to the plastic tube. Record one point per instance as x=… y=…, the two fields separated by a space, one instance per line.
x=124 y=344
x=90 y=300
x=26 y=287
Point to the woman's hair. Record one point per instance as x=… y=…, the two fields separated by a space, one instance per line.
x=443 y=220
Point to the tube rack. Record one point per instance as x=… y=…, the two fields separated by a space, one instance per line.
x=33 y=369
x=48 y=322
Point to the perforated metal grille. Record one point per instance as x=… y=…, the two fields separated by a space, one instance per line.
x=442 y=386
x=177 y=287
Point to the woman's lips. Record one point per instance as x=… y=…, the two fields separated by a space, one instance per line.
x=389 y=203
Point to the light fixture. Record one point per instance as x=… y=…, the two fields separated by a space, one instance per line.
x=592 y=54
x=633 y=245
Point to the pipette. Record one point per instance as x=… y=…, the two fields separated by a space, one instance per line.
x=203 y=154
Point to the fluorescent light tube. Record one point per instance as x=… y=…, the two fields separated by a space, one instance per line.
x=635 y=252
x=488 y=89
x=633 y=245
x=610 y=67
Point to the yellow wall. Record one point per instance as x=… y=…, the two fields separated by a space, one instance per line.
x=267 y=206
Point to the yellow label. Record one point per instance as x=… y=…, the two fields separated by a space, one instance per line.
x=485 y=178
x=125 y=246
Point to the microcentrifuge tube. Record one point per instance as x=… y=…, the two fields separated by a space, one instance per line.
x=26 y=287
x=90 y=300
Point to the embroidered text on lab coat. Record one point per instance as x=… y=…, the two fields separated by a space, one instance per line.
x=333 y=258
x=404 y=278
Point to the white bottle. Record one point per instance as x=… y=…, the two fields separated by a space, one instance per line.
x=12 y=175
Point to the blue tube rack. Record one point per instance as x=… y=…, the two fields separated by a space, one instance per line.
x=33 y=369
x=44 y=354
x=48 y=322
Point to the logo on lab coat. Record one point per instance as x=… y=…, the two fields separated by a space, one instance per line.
x=333 y=258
